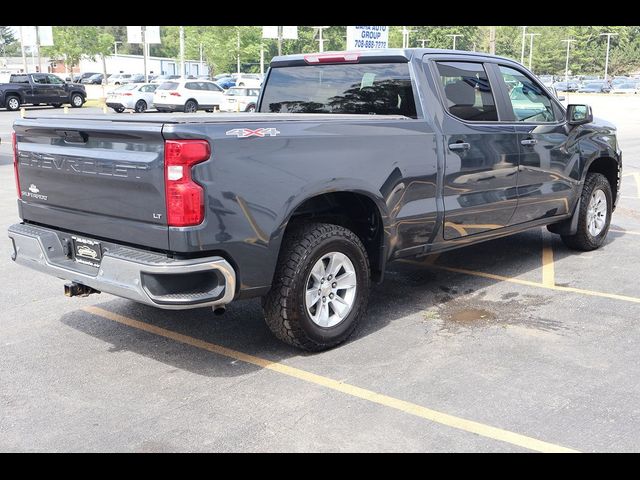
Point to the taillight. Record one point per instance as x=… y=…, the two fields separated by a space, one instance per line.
x=185 y=198
x=127 y=94
x=14 y=143
x=175 y=94
x=345 y=57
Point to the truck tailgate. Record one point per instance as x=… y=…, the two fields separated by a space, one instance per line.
x=95 y=177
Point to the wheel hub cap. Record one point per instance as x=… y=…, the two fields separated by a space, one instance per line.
x=597 y=213
x=331 y=289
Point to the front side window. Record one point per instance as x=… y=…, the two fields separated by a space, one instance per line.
x=53 y=80
x=467 y=91
x=40 y=79
x=530 y=102
x=373 y=89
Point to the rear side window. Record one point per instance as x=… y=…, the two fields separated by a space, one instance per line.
x=19 y=79
x=168 y=86
x=467 y=91
x=193 y=86
x=376 y=89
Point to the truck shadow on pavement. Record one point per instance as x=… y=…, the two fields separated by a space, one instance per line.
x=409 y=288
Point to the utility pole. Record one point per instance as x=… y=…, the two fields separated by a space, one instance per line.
x=261 y=59
x=38 y=49
x=531 y=35
x=566 y=65
x=201 y=68
x=24 y=55
x=454 y=36
x=405 y=37
x=279 y=40
x=606 y=61
x=423 y=41
x=144 y=52
x=320 y=38
x=115 y=48
x=182 y=52
x=492 y=41
x=524 y=32
x=238 y=46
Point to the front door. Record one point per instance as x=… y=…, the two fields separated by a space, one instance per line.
x=57 y=90
x=40 y=92
x=481 y=159
x=549 y=156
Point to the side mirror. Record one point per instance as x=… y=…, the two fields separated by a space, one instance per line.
x=561 y=98
x=579 y=114
x=68 y=79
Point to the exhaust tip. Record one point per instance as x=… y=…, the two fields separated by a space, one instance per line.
x=78 y=290
x=219 y=310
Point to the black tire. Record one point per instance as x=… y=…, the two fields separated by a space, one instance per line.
x=191 y=106
x=118 y=109
x=284 y=306
x=77 y=100
x=250 y=108
x=141 y=106
x=12 y=102
x=583 y=240
x=56 y=105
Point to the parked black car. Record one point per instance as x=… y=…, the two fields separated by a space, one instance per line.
x=566 y=86
x=78 y=78
x=595 y=87
x=95 y=79
x=39 y=88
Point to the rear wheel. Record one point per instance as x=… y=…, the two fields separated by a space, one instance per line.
x=118 y=109
x=76 y=100
x=13 y=103
x=141 y=106
x=191 y=106
x=251 y=108
x=320 y=288
x=596 y=203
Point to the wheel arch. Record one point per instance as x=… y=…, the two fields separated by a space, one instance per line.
x=610 y=168
x=358 y=210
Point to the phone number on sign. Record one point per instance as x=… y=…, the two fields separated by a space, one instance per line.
x=370 y=44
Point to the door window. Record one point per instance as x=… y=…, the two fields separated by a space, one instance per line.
x=40 y=79
x=530 y=102
x=467 y=91
x=53 y=80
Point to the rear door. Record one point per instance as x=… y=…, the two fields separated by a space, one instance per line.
x=549 y=156
x=481 y=160
x=100 y=178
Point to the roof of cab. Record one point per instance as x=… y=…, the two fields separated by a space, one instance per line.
x=384 y=54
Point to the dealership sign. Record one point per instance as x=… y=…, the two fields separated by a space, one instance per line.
x=359 y=38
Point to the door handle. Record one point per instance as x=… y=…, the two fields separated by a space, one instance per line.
x=529 y=142
x=459 y=146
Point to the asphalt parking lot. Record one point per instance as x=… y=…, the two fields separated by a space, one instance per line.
x=517 y=344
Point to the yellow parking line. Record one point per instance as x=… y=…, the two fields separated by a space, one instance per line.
x=368 y=395
x=500 y=278
x=548 y=270
x=624 y=231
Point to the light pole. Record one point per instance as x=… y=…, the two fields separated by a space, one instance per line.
x=181 y=52
x=606 y=61
x=320 y=39
x=115 y=48
x=531 y=35
x=524 y=32
x=423 y=41
x=201 y=67
x=238 y=45
x=405 y=37
x=454 y=36
x=566 y=65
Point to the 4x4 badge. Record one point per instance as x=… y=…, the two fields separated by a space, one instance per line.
x=258 y=132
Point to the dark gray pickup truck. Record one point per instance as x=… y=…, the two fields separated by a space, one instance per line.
x=354 y=159
x=40 y=88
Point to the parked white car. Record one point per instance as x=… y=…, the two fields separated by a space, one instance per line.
x=188 y=96
x=248 y=80
x=119 y=78
x=240 y=99
x=628 y=87
x=136 y=96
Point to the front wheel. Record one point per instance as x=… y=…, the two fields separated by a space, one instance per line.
x=13 y=103
x=118 y=109
x=320 y=288
x=596 y=205
x=76 y=100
